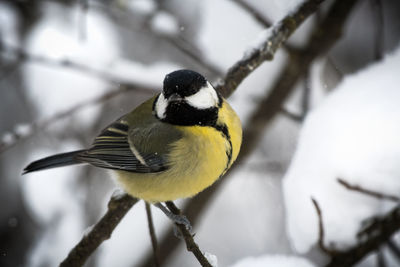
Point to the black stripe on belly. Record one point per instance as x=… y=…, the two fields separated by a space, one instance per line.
x=223 y=129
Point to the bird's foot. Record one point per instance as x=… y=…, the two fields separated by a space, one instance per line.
x=176 y=218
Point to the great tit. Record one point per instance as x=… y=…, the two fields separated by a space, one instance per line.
x=172 y=146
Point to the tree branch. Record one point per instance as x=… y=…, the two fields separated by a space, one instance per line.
x=367 y=191
x=187 y=236
x=17 y=135
x=321 y=231
x=394 y=249
x=254 y=12
x=280 y=32
x=380 y=232
x=184 y=46
x=152 y=233
x=20 y=54
x=118 y=206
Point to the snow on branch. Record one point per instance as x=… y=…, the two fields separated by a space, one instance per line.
x=379 y=232
x=370 y=239
x=279 y=33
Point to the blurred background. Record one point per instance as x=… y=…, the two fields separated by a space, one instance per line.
x=68 y=68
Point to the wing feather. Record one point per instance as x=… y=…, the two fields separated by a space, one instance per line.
x=111 y=150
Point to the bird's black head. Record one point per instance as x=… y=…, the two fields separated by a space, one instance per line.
x=187 y=99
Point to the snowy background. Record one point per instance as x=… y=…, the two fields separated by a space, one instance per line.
x=263 y=214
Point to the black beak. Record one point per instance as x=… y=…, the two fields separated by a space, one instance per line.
x=174 y=98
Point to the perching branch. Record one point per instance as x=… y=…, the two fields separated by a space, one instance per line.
x=118 y=206
x=187 y=236
x=368 y=191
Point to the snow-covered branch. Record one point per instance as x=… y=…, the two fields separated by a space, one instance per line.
x=277 y=35
x=379 y=232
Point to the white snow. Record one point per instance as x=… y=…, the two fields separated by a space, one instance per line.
x=258 y=42
x=274 y=261
x=142 y=6
x=7 y=138
x=23 y=129
x=165 y=23
x=353 y=135
x=282 y=8
x=57 y=39
x=212 y=259
x=88 y=230
x=118 y=194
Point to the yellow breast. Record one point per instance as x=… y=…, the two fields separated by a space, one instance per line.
x=197 y=160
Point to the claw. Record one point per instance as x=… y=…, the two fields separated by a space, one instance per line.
x=176 y=218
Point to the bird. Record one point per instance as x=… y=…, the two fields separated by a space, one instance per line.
x=172 y=146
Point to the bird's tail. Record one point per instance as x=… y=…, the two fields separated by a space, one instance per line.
x=54 y=161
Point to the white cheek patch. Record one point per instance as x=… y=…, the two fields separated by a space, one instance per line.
x=161 y=106
x=205 y=98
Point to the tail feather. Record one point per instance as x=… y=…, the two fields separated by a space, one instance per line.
x=54 y=161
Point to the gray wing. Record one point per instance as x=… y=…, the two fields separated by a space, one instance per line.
x=112 y=150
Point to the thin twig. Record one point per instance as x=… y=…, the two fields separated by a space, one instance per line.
x=321 y=231
x=152 y=233
x=379 y=42
x=380 y=258
x=184 y=46
x=84 y=9
x=19 y=54
x=305 y=97
x=368 y=191
x=254 y=12
x=298 y=118
x=187 y=236
x=118 y=206
x=394 y=249
x=33 y=128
